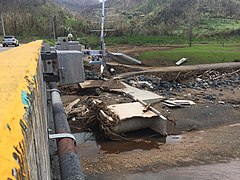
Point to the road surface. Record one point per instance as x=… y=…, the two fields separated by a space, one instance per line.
x=5 y=48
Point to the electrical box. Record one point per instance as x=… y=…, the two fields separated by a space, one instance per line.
x=70 y=66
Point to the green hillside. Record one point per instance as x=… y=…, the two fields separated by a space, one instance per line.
x=33 y=19
x=176 y=18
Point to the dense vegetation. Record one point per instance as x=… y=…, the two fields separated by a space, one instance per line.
x=31 y=19
x=155 y=21
x=166 y=17
x=212 y=26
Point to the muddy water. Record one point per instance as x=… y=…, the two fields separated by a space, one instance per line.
x=141 y=140
x=223 y=171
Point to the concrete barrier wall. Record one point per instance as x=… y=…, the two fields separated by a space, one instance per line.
x=24 y=152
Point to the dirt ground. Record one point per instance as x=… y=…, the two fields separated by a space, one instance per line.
x=136 y=50
x=205 y=133
x=195 y=148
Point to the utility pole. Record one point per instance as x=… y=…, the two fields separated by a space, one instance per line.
x=54 y=29
x=3 y=28
x=102 y=33
x=190 y=35
x=103 y=53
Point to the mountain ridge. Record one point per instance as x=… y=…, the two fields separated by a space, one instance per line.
x=164 y=16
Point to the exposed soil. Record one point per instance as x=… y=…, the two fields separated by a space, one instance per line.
x=196 y=148
x=135 y=51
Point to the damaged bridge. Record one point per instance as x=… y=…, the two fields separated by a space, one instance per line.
x=57 y=125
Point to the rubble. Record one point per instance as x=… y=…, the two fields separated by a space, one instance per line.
x=149 y=89
x=215 y=94
x=90 y=75
x=94 y=116
x=109 y=121
x=208 y=79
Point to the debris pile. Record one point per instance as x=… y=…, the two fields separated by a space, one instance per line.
x=93 y=115
x=208 y=79
x=91 y=75
x=172 y=89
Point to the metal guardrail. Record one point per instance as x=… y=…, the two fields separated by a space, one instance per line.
x=18 y=69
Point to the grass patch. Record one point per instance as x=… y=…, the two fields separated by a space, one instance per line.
x=146 y=40
x=198 y=54
x=138 y=40
x=211 y=26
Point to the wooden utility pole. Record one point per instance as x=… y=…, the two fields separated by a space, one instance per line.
x=3 y=28
x=54 y=29
x=190 y=35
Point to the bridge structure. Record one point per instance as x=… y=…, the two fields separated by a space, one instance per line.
x=25 y=121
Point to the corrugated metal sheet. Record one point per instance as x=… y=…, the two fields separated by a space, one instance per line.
x=123 y=58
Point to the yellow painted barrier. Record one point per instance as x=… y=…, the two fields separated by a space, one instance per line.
x=17 y=70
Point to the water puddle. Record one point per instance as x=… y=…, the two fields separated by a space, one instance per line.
x=138 y=141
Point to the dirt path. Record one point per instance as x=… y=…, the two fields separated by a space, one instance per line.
x=137 y=50
x=234 y=65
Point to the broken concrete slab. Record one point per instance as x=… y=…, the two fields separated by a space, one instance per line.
x=143 y=95
x=137 y=110
x=105 y=84
x=137 y=118
x=88 y=84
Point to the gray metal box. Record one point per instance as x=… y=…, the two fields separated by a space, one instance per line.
x=46 y=47
x=74 y=45
x=52 y=48
x=62 y=43
x=70 y=64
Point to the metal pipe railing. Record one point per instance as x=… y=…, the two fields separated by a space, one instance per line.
x=70 y=166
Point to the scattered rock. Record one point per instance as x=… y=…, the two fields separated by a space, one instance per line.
x=208 y=80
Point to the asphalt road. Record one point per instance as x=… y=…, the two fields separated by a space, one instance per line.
x=5 y=48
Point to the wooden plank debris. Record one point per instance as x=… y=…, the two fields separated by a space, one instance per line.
x=71 y=106
x=181 y=61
